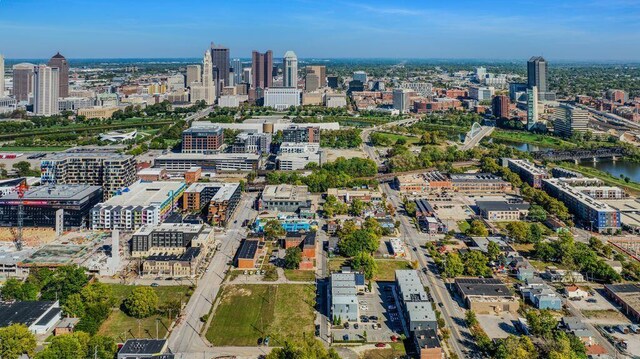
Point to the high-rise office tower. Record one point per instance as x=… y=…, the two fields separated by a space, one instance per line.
x=290 y=69
x=537 y=73
x=569 y=120
x=208 y=80
x=360 y=76
x=500 y=106
x=194 y=74
x=23 y=81
x=532 y=107
x=261 y=68
x=1 y=76
x=247 y=76
x=45 y=92
x=315 y=77
x=236 y=64
x=63 y=72
x=481 y=73
x=220 y=62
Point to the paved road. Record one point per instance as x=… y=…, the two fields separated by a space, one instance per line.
x=185 y=338
x=598 y=336
x=473 y=142
x=452 y=315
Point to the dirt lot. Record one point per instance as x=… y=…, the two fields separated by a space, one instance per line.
x=333 y=153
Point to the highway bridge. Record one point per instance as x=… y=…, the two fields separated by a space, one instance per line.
x=474 y=135
x=577 y=155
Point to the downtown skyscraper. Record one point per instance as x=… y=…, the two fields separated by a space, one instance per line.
x=236 y=64
x=45 y=92
x=261 y=68
x=220 y=63
x=537 y=76
x=1 y=75
x=23 y=81
x=208 y=84
x=290 y=69
x=61 y=63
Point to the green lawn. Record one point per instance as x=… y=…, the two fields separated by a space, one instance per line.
x=248 y=312
x=532 y=138
x=33 y=149
x=387 y=268
x=119 y=323
x=392 y=351
x=463 y=226
x=336 y=263
x=297 y=275
x=393 y=137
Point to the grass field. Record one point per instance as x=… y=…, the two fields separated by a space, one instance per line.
x=395 y=350
x=463 y=226
x=120 y=326
x=300 y=275
x=532 y=138
x=387 y=268
x=337 y=262
x=249 y=312
x=393 y=137
x=33 y=149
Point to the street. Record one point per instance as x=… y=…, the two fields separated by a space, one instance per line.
x=185 y=338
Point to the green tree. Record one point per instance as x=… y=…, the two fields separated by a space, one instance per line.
x=493 y=250
x=516 y=347
x=453 y=265
x=23 y=168
x=308 y=349
x=477 y=229
x=105 y=347
x=476 y=264
x=292 y=258
x=541 y=323
x=535 y=233
x=537 y=213
x=13 y=289
x=16 y=340
x=142 y=302
x=66 y=280
x=366 y=263
x=69 y=346
x=357 y=207
x=519 y=231
x=273 y=230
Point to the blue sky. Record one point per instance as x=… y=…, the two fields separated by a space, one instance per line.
x=491 y=29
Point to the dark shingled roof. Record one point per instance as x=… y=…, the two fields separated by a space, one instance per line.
x=22 y=312
x=248 y=249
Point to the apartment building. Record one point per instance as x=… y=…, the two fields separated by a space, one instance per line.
x=113 y=171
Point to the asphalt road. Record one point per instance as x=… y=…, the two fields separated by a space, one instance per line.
x=454 y=318
x=185 y=338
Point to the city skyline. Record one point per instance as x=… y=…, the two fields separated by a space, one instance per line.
x=337 y=29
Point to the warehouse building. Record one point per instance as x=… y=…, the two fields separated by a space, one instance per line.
x=479 y=183
x=500 y=211
x=39 y=316
x=285 y=198
x=487 y=295
x=627 y=296
x=529 y=172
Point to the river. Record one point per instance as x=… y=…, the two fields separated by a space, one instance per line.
x=615 y=168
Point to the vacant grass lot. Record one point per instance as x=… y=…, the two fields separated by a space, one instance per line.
x=387 y=268
x=121 y=326
x=393 y=137
x=249 y=312
x=297 y=275
x=532 y=138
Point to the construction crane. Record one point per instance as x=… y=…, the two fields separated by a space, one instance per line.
x=21 y=189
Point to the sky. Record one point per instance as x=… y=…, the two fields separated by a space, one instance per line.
x=476 y=29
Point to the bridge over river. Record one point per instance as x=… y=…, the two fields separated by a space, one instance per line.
x=577 y=155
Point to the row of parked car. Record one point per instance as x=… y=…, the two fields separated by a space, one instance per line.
x=624 y=329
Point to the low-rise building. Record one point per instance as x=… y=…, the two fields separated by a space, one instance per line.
x=347 y=195
x=39 y=316
x=344 y=299
x=479 y=183
x=501 y=211
x=145 y=349
x=181 y=162
x=427 y=344
x=487 y=295
x=248 y=253
x=541 y=295
x=97 y=112
x=285 y=198
x=573 y=291
x=627 y=296
x=529 y=172
x=152 y=174
x=173 y=265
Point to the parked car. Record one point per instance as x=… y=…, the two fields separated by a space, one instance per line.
x=373 y=317
x=154 y=285
x=380 y=345
x=345 y=337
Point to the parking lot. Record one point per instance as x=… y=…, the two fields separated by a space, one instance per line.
x=498 y=326
x=379 y=317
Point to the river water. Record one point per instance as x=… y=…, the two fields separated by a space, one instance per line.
x=615 y=168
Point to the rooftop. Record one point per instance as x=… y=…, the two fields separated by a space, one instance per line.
x=485 y=287
x=187 y=256
x=145 y=194
x=225 y=190
x=585 y=199
x=201 y=156
x=426 y=338
x=475 y=177
x=68 y=192
x=248 y=249
x=23 y=312
x=143 y=346
x=285 y=192
x=170 y=227
x=502 y=206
